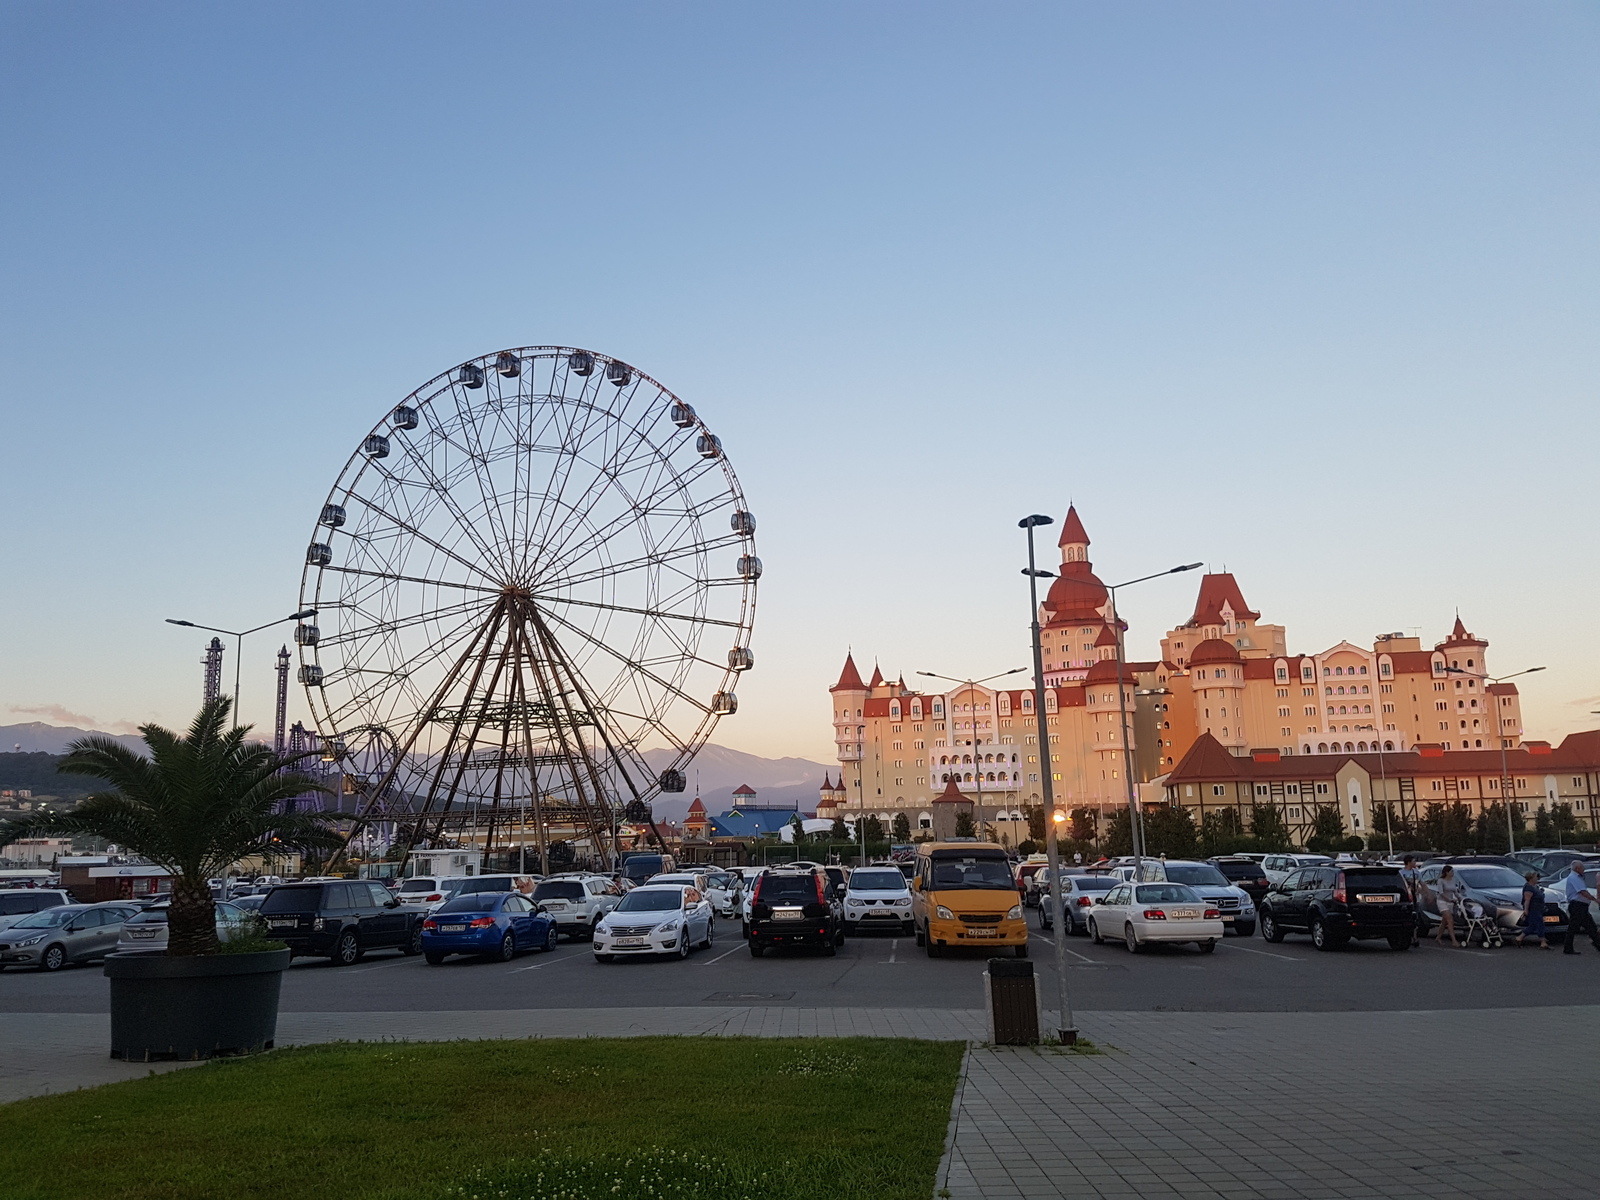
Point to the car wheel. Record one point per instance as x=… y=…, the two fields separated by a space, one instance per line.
x=53 y=958
x=1269 y=928
x=909 y=928
x=434 y=957
x=508 y=949
x=711 y=932
x=1320 y=937
x=602 y=958
x=1400 y=941
x=1245 y=930
x=934 y=949
x=683 y=942
x=830 y=948
x=755 y=948
x=744 y=929
x=853 y=928
x=346 y=951
x=551 y=937
x=1207 y=947
x=1094 y=933
x=838 y=938
x=921 y=940
x=1131 y=938
x=1022 y=950
x=413 y=946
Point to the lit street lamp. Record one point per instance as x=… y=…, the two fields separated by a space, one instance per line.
x=1066 y=1031
x=1507 y=784
x=976 y=760
x=239 y=644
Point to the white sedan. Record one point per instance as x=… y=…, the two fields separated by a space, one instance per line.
x=1142 y=913
x=656 y=919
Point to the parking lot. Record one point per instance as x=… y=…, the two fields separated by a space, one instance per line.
x=1244 y=975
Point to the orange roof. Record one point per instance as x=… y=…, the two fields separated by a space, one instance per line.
x=1412 y=662
x=1072 y=530
x=1106 y=638
x=849 y=678
x=1460 y=637
x=1214 y=590
x=1105 y=671
x=697 y=807
x=744 y=789
x=1213 y=650
x=951 y=795
x=1077 y=596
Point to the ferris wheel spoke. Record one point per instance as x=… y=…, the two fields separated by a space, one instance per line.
x=382 y=625
x=492 y=501
x=655 y=614
x=424 y=538
x=644 y=562
x=684 y=521
x=630 y=663
x=397 y=578
x=441 y=491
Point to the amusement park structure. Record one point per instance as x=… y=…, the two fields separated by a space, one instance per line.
x=537 y=567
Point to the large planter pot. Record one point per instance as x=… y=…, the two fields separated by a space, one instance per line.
x=166 y=1008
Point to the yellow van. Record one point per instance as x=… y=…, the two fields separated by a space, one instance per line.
x=963 y=894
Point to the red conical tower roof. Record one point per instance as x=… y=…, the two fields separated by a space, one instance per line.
x=877 y=676
x=1072 y=531
x=697 y=807
x=849 y=678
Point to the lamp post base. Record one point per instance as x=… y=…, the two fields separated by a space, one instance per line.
x=1068 y=1037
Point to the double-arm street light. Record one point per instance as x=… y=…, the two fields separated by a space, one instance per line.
x=239 y=637
x=1135 y=817
x=977 y=760
x=1066 y=1028
x=1507 y=784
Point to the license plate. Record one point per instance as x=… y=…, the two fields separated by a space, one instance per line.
x=788 y=914
x=1552 y=920
x=630 y=941
x=452 y=929
x=1184 y=914
x=983 y=931
x=1388 y=899
x=1226 y=918
x=142 y=933
x=274 y=924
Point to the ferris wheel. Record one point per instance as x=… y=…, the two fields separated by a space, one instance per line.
x=537 y=570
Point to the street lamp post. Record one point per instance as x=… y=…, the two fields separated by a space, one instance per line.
x=239 y=637
x=976 y=763
x=1135 y=817
x=1507 y=784
x=1383 y=775
x=1066 y=1028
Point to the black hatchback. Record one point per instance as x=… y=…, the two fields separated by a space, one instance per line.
x=1336 y=903
x=341 y=921
x=794 y=908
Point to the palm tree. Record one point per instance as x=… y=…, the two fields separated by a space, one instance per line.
x=198 y=804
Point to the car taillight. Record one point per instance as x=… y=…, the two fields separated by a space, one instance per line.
x=1084 y=902
x=822 y=896
x=1213 y=914
x=434 y=897
x=482 y=922
x=430 y=923
x=1338 y=889
x=1154 y=914
x=1263 y=882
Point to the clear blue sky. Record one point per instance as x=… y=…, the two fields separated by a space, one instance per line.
x=1308 y=290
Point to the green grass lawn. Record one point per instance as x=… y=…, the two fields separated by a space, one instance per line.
x=626 y=1118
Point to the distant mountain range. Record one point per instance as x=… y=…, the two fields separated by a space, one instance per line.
x=35 y=737
x=716 y=769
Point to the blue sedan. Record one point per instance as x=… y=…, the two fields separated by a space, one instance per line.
x=495 y=924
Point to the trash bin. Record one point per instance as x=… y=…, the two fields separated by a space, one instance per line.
x=1011 y=994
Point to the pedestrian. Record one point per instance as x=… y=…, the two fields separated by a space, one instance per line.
x=1413 y=878
x=1449 y=894
x=1533 y=911
x=1579 y=918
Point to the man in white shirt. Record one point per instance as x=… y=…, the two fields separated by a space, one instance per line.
x=1579 y=918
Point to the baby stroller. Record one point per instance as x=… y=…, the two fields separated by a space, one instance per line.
x=1478 y=918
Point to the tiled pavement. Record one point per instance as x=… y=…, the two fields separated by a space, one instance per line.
x=1466 y=1105
x=1485 y=1104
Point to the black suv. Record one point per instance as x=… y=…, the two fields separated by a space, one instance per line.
x=341 y=921
x=1336 y=903
x=1245 y=874
x=795 y=908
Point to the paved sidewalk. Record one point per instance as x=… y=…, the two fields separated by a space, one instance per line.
x=58 y=1052
x=1490 y=1104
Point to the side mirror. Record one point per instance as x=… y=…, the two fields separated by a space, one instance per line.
x=839 y=892
x=916 y=884
x=394 y=903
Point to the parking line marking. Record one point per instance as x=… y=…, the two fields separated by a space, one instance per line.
x=722 y=956
x=1268 y=954
x=894 y=946
x=549 y=962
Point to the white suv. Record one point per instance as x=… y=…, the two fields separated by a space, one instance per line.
x=577 y=902
x=1278 y=867
x=877 y=898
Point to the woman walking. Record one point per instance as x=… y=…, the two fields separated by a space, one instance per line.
x=1449 y=892
x=1533 y=911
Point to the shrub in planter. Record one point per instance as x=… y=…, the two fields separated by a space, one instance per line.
x=199 y=803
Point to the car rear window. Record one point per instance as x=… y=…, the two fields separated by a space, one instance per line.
x=1195 y=874
x=877 y=881
x=485 y=883
x=1092 y=883
x=419 y=885
x=1374 y=881
x=788 y=887
x=567 y=889
x=1165 y=893
x=28 y=902
x=150 y=916
x=472 y=902
x=1239 y=870
x=292 y=900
